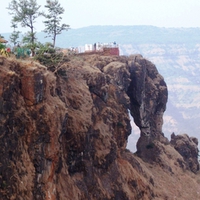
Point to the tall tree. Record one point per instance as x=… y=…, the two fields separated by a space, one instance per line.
x=53 y=19
x=25 y=12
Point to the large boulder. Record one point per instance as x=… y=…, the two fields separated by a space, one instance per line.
x=188 y=149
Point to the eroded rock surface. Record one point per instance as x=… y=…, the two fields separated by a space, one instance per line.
x=64 y=134
x=148 y=95
x=187 y=147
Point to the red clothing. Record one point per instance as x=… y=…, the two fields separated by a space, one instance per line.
x=8 y=50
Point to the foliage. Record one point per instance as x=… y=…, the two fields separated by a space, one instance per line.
x=2 y=46
x=27 y=38
x=15 y=34
x=25 y=12
x=53 y=19
x=47 y=55
x=14 y=37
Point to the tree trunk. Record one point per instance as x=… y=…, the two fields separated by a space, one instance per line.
x=32 y=42
x=54 y=40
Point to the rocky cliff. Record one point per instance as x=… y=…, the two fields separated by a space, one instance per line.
x=64 y=133
x=174 y=51
x=179 y=63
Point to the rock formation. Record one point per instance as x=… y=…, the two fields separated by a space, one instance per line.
x=63 y=134
x=187 y=147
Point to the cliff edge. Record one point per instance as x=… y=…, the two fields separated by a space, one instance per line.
x=63 y=134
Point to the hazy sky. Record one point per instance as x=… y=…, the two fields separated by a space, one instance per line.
x=82 y=13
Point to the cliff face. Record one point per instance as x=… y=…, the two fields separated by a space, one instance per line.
x=64 y=133
x=179 y=63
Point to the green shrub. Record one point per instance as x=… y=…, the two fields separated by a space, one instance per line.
x=48 y=56
x=2 y=46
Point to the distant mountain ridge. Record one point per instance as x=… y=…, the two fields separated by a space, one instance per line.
x=128 y=35
x=123 y=35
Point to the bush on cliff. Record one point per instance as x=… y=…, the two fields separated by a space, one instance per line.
x=49 y=56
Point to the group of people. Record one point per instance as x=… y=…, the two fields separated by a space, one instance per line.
x=5 y=52
x=74 y=49
x=21 y=52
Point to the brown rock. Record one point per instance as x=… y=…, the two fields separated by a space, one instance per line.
x=148 y=95
x=32 y=84
x=63 y=135
x=188 y=149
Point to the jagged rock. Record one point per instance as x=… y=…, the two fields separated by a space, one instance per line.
x=188 y=148
x=63 y=135
x=32 y=84
x=148 y=95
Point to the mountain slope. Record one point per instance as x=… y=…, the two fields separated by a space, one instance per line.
x=175 y=52
x=64 y=132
